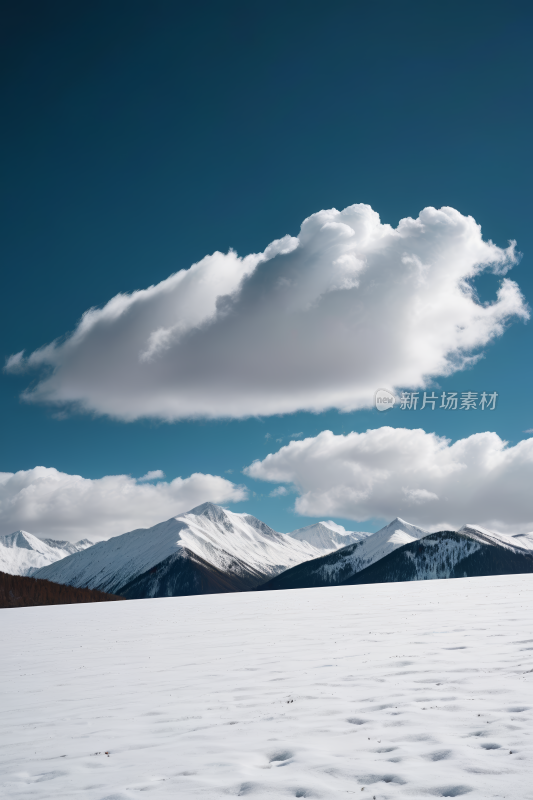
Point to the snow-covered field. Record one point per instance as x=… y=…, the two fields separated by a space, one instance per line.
x=399 y=690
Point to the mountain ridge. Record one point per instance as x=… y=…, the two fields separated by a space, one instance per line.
x=210 y=549
x=23 y=553
x=334 y=568
x=236 y=544
x=444 y=555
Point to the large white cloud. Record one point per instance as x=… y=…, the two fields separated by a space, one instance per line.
x=317 y=321
x=49 y=503
x=389 y=472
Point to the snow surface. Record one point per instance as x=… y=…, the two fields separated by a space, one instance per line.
x=22 y=553
x=383 y=691
x=328 y=536
x=223 y=538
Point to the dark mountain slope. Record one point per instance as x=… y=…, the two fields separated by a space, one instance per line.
x=183 y=574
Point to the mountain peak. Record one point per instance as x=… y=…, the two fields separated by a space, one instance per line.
x=470 y=526
x=22 y=539
x=209 y=510
x=404 y=525
x=22 y=553
x=400 y=521
x=179 y=555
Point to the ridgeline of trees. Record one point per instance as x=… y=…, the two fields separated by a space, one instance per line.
x=16 y=591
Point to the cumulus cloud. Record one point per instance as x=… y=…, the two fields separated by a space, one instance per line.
x=422 y=477
x=152 y=475
x=50 y=503
x=279 y=491
x=314 y=322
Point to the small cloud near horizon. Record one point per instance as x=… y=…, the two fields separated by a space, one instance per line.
x=152 y=475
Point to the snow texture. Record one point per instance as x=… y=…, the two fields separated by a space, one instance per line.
x=231 y=542
x=405 y=690
x=22 y=553
x=525 y=540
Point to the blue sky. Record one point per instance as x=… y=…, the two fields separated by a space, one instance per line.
x=140 y=137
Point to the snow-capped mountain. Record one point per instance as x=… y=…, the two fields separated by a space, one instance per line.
x=211 y=550
x=337 y=567
x=207 y=549
x=22 y=553
x=467 y=553
x=402 y=552
x=328 y=536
